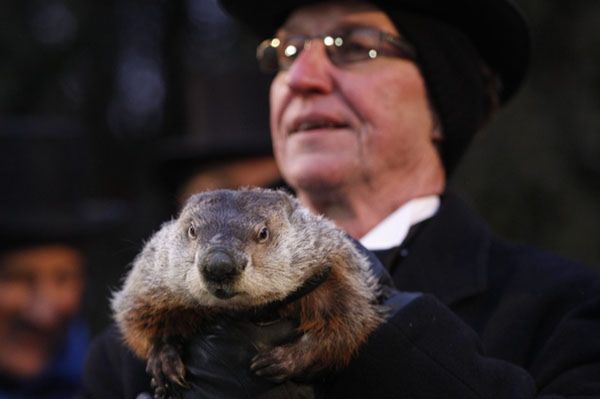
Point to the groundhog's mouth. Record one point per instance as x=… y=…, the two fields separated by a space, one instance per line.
x=223 y=293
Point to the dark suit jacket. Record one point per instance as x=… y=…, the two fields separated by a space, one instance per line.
x=497 y=320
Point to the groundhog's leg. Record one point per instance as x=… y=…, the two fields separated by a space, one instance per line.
x=335 y=320
x=155 y=330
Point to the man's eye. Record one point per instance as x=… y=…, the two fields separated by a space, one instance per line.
x=292 y=46
x=17 y=278
x=355 y=46
x=352 y=51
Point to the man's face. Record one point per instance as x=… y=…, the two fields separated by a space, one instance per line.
x=367 y=123
x=40 y=291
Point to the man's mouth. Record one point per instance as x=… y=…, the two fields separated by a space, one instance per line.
x=28 y=334
x=316 y=125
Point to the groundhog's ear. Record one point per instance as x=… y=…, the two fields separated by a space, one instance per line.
x=290 y=204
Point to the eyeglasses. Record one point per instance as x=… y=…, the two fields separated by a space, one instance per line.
x=343 y=48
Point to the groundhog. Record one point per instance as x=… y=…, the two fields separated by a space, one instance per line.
x=244 y=250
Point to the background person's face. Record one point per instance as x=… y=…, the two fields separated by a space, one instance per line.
x=365 y=123
x=40 y=291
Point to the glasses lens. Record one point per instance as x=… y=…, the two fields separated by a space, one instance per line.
x=278 y=54
x=346 y=47
x=354 y=45
x=267 y=56
x=290 y=50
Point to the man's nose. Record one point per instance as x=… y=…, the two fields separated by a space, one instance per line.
x=311 y=70
x=44 y=309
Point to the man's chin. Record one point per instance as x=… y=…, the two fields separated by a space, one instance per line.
x=318 y=172
x=24 y=363
x=27 y=352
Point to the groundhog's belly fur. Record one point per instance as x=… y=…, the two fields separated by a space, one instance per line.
x=235 y=250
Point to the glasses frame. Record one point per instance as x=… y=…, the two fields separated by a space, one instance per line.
x=330 y=42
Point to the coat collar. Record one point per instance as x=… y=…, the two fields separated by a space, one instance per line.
x=448 y=255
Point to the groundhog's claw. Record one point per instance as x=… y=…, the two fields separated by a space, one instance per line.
x=165 y=366
x=271 y=366
x=164 y=392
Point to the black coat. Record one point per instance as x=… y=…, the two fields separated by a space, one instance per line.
x=497 y=320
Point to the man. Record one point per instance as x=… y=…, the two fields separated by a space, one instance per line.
x=42 y=339
x=372 y=105
x=357 y=126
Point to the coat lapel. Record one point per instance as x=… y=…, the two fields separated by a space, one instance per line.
x=447 y=256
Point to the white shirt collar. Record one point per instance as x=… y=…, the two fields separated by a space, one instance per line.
x=392 y=230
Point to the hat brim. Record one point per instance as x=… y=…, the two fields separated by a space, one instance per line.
x=497 y=28
x=73 y=224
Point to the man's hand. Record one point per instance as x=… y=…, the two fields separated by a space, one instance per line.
x=218 y=361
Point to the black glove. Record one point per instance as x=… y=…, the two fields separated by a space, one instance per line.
x=218 y=361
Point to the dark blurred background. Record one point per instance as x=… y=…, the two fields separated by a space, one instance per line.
x=94 y=94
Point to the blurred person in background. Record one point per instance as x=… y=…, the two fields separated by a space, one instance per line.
x=186 y=165
x=43 y=338
x=49 y=229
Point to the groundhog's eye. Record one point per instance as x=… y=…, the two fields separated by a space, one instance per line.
x=263 y=234
x=192 y=232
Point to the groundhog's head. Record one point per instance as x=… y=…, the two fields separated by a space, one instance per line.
x=244 y=248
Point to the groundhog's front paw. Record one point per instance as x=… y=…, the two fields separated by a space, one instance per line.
x=164 y=391
x=276 y=365
x=166 y=368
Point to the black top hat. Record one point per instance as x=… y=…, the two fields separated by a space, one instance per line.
x=497 y=28
x=228 y=121
x=73 y=224
x=179 y=158
x=45 y=180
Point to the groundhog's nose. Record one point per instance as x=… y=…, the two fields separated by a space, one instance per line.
x=218 y=267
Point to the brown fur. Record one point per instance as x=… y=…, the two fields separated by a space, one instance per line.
x=171 y=293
